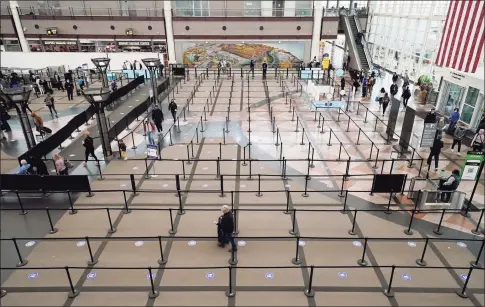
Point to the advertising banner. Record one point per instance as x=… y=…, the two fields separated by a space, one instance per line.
x=471 y=167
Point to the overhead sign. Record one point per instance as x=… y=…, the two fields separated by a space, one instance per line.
x=133 y=43
x=429 y=134
x=152 y=151
x=327 y=104
x=60 y=42
x=471 y=167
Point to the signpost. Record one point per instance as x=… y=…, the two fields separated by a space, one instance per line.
x=152 y=151
x=429 y=134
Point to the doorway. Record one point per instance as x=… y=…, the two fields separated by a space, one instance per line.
x=278 y=8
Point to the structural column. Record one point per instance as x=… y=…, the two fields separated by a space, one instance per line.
x=18 y=26
x=317 y=29
x=167 y=13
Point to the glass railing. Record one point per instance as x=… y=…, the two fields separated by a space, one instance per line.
x=298 y=12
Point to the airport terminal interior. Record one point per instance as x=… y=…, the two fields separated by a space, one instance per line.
x=242 y=153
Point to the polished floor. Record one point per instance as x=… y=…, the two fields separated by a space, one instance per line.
x=287 y=192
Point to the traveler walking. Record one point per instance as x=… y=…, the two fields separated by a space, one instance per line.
x=435 y=153
x=39 y=85
x=440 y=127
x=449 y=185
x=394 y=89
x=227 y=225
x=25 y=106
x=61 y=165
x=150 y=131
x=406 y=94
x=49 y=102
x=58 y=82
x=4 y=117
x=430 y=116
x=458 y=135
x=251 y=67
x=70 y=89
x=479 y=140
x=39 y=124
x=381 y=94
x=385 y=102
x=454 y=118
x=265 y=68
x=365 y=82
x=88 y=144
x=172 y=107
x=157 y=116
x=394 y=78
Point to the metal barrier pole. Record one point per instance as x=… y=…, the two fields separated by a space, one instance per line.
x=250 y=170
x=388 y=211
x=362 y=261
x=421 y=261
x=133 y=184
x=22 y=261
x=438 y=230
x=293 y=230
x=277 y=139
x=352 y=231
x=154 y=293
x=297 y=121
x=171 y=231
x=23 y=212
x=259 y=194
x=181 y=208
x=309 y=292
x=389 y=292
x=476 y=231
x=162 y=259
x=462 y=293
x=52 y=230
x=476 y=263
x=296 y=260
x=305 y=194
x=91 y=260
x=287 y=202
x=222 y=186
x=100 y=173
x=236 y=216
x=218 y=168
x=302 y=135
x=111 y=229
x=229 y=292
x=71 y=205
x=73 y=292
x=409 y=231
x=126 y=203
x=232 y=260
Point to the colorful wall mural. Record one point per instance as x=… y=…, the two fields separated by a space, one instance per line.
x=208 y=55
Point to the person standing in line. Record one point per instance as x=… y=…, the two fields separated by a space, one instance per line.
x=221 y=240
x=251 y=67
x=70 y=89
x=49 y=102
x=58 y=81
x=265 y=68
x=172 y=107
x=479 y=140
x=385 y=103
x=458 y=136
x=435 y=153
x=157 y=117
x=227 y=225
x=365 y=82
x=88 y=144
x=61 y=165
x=406 y=94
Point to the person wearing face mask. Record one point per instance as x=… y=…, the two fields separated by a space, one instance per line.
x=478 y=141
x=431 y=116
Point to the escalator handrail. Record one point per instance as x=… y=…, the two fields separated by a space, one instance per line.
x=364 y=43
x=351 y=39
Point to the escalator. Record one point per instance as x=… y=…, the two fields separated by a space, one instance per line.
x=359 y=57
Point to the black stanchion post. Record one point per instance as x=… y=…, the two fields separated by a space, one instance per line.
x=236 y=215
x=408 y=231
x=133 y=184
x=309 y=292
x=73 y=293
x=71 y=205
x=22 y=261
x=172 y=231
x=362 y=261
x=421 y=261
x=462 y=293
x=476 y=263
x=127 y=210
x=22 y=211
x=305 y=194
x=52 y=230
x=91 y=260
x=476 y=231
x=344 y=210
x=293 y=223
x=388 y=292
x=153 y=294
x=296 y=260
x=259 y=194
x=388 y=211
x=162 y=259
x=352 y=231
x=287 y=211
x=181 y=210
x=230 y=292
x=111 y=229
x=222 y=186
x=438 y=229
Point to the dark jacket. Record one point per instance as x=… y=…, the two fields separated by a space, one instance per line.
x=172 y=107
x=227 y=222
x=430 y=118
x=157 y=115
x=342 y=83
x=122 y=146
x=69 y=86
x=265 y=66
x=406 y=94
x=437 y=145
x=393 y=89
x=88 y=143
x=385 y=100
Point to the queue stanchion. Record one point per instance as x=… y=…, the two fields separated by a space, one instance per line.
x=53 y=229
x=293 y=223
x=221 y=177
x=362 y=261
x=218 y=168
x=233 y=260
x=388 y=209
x=172 y=230
x=310 y=292
x=162 y=259
x=421 y=261
x=111 y=228
x=330 y=138
x=305 y=194
x=388 y=292
x=127 y=210
x=277 y=138
x=408 y=231
x=302 y=136
x=352 y=231
x=476 y=231
x=287 y=211
x=147 y=175
x=230 y=292
x=296 y=260
x=153 y=294
x=71 y=205
x=462 y=292
x=133 y=185
x=437 y=231
x=73 y=293
x=244 y=157
x=344 y=210
x=99 y=170
x=192 y=149
x=476 y=263
x=22 y=211
x=259 y=194
x=22 y=261
x=181 y=210
x=91 y=260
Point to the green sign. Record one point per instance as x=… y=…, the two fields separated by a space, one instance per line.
x=471 y=167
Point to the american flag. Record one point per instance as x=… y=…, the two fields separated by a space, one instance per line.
x=463 y=36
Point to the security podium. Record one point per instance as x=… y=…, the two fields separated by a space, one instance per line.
x=427 y=196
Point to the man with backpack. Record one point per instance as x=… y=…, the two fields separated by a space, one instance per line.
x=393 y=90
x=157 y=117
x=172 y=107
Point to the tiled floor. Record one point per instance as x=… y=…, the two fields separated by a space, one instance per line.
x=261 y=190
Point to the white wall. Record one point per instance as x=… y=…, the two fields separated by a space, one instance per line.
x=70 y=60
